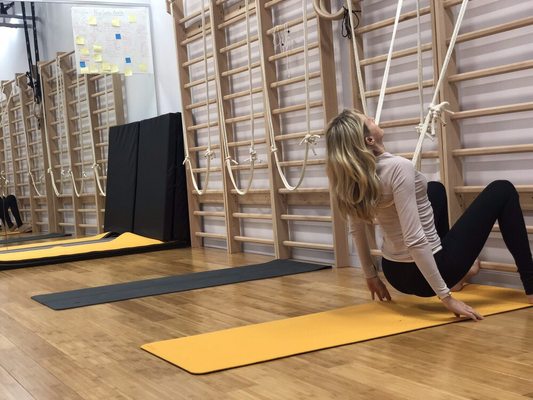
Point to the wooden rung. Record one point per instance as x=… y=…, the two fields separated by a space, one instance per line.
x=481 y=112
x=493 y=30
x=218 y=214
x=238 y=70
x=238 y=44
x=291 y=23
x=478 y=189
x=210 y=235
x=103 y=110
x=299 y=163
x=243 y=143
x=482 y=151
x=482 y=73
x=204 y=170
x=202 y=126
x=253 y=191
x=396 y=54
x=236 y=16
x=248 y=239
x=252 y=216
x=242 y=94
x=211 y=192
x=199 y=104
x=292 y=52
x=399 y=122
x=243 y=118
x=198 y=82
x=272 y=3
x=313 y=218
x=296 y=135
x=425 y=154
x=296 y=79
x=494 y=266
x=193 y=15
x=84 y=115
x=390 y=21
x=296 y=107
x=401 y=88
x=307 y=245
x=451 y=3
x=103 y=144
x=195 y=35
x=204 y=148
x=303 y=190
x=87 y=226
x=529 y=229
x=87 y=210
x=65 y=224
x=196 y=60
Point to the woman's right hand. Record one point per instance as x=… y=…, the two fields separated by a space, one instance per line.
x=461 y=309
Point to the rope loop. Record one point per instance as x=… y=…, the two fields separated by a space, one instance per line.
x=209 y=154
x=436 y=114
x=310 y=140
x=253 y=156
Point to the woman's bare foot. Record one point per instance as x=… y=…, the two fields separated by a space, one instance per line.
x=474 y=269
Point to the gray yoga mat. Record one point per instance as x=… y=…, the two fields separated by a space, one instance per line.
x=171 y=284
x=22 y=239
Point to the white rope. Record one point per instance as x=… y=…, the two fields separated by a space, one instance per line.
x=4 y=120
x=357 y=60
x=435 y=110
x=77 y=192
x=209 y=154
x=419 y=62
x=377 y=117
x=309 y=139
x=27 y=146
x=220 y=102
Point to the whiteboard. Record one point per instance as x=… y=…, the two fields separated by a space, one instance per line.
x=112 y=40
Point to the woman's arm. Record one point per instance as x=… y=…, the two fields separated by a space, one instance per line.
x=373 y=282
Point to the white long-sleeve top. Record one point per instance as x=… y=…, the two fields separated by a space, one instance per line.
x=406 y=219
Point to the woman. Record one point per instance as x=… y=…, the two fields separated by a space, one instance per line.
x=371 y=183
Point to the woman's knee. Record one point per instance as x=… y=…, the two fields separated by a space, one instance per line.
x=503 y=186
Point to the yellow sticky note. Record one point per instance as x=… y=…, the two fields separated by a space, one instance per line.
x=114 y=68
x=98 y=58
x=80 y=40
x=128 y=72
x=84 y=51
x=94 y=69
x=106 y=67
x=92 y=20
x=132 y=19
x=97 y=48
x=84 y=70
x=115 y=22
x=143 y=67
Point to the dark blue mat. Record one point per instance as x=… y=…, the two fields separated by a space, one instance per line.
x=172 y=284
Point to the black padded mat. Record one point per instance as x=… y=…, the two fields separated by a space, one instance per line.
x=172 y=284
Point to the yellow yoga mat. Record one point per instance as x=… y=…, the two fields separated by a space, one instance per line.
x=251 y=344
x=124 y=241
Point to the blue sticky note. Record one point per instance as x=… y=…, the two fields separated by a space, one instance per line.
x=82 y=64
x=128 y=60
x=118 y=36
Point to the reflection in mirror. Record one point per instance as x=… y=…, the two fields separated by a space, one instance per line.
x=69 y=72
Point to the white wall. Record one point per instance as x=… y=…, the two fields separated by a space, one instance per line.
x=13 y=58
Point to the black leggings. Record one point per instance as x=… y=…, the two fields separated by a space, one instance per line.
x=9 y=203
x=462 y=243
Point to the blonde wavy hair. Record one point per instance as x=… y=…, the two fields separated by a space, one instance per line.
x=351 y=166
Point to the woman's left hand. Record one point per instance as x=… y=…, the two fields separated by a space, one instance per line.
x=377 y=287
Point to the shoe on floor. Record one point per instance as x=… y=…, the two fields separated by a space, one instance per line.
x=24 y=228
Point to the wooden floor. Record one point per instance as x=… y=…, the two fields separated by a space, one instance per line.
x=93 y=352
